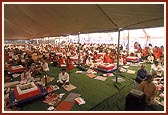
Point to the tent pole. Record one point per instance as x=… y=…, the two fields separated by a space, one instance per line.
x=146 y=35
x=55 y=41
x=37 y=41
x=128 y=43
x=147 y=39
x=118 y=51
x=59 y=42
x=78 y=48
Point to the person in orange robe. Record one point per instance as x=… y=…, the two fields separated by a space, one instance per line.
x=107 y=59
x=156 y=53
x=144 y=53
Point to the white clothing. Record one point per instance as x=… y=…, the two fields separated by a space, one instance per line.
x=26 y=78
x=150 y=59
x=156 y=69
x=151 y=49
x=89 y=63
x=45 y=66
x=121 y=61
x=64 y=77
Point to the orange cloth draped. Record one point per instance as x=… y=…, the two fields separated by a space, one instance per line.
x=107 y=59
x=156 y=53
x=160 y=51
x=144 y=52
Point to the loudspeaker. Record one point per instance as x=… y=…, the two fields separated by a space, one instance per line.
x=135 y=103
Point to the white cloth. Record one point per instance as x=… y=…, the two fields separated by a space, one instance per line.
x=121 y=61
x=89 y=63
x=45 y=66
x=156 y=69
x=150 y=59
x=64 y=77
x=26 y=78
x=151 y=49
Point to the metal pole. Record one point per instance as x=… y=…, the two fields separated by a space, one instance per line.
x=78 y=48
x=147 y=38
x=128 y=43
x=55 y=41
x=59 y=42
x=118 y=51
x=48 y=40
x=37 y=41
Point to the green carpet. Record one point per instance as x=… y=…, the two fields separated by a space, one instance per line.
x=99 y=95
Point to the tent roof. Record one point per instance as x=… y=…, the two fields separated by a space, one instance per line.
x=27 y=21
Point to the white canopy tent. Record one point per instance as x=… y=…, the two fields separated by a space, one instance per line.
x=29 y=21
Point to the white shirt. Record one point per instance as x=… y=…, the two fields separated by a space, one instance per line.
x=151 y=49
x=26 y=78
x=158 y=69
x=89 y=63
x=150 y=59
x=64 y=77
x=45 y=66
x=121 y=61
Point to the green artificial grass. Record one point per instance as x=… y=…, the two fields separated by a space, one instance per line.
x=99 y=95
x=114 y=103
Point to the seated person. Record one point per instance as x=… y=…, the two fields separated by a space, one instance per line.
x=89 y=62
x=7 y=103
x=161 y=60
x=132 y=54
x=156 y=69
x=141 y=74
x=55 y=61
x=121 y=60
x=61 y=61
x=150 y=58
x=26 y=77
x=124 y=60
x=149 y=89
x=69 y=63
x=35 y=69
x=95 y=56
x=63 y=78
x=45 y=66
x=107 y=59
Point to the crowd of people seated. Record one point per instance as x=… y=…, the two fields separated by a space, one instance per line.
x=35 y=58
x=144 y=79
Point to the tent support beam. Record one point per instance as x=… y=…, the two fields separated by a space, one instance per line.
x=128 y=44
x=78 y=48
x=118 y=51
